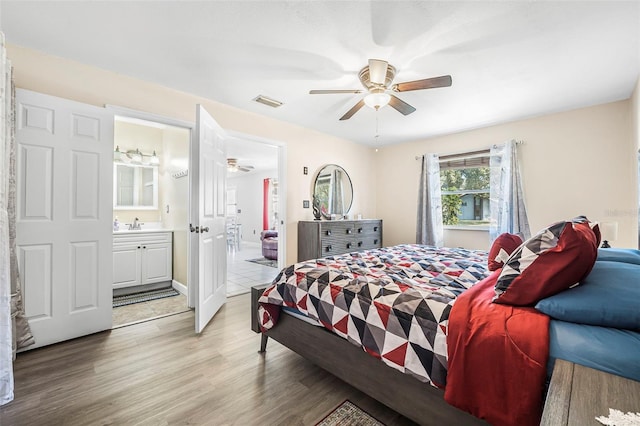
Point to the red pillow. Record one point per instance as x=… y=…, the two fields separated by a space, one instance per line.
x=501 y=249
x=557 y=258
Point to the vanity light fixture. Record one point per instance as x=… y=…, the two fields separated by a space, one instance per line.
x=135 y=156
x=154 y=161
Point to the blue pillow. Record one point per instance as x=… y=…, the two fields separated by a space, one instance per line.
x=607 y=349
x=619 y=255
x=608 y=297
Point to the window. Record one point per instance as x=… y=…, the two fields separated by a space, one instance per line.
x=464 y=182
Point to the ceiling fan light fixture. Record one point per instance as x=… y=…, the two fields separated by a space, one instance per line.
x=377 y=100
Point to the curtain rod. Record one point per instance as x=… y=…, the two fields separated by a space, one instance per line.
x=480 y=151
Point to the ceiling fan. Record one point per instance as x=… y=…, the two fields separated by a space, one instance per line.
x=377 y=78
x=233 y=166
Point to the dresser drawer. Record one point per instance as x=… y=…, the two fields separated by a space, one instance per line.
x=328 y=238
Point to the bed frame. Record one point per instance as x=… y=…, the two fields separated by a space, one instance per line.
x=418 y=401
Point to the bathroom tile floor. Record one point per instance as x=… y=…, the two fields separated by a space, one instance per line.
x=152 y=309
x=241 y=276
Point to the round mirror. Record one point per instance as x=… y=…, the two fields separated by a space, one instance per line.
x=332 y=192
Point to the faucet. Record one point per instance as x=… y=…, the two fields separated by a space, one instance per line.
x=135 y=226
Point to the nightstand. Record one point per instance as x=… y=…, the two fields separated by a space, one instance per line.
x=578 y=394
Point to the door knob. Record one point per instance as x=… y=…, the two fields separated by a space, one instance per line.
x=204 y=229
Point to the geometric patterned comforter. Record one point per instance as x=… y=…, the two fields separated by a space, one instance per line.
x=394 y=302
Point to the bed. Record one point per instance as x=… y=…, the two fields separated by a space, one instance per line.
x=438 y=276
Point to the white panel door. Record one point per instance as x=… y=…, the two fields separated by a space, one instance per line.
x=64 y=241
x=208 y=163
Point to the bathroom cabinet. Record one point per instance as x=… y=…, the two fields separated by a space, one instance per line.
x=142 y=257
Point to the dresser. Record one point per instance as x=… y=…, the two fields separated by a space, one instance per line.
x=321 y=238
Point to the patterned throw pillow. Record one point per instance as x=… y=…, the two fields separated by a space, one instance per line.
x=501 y=249
x=557 y=258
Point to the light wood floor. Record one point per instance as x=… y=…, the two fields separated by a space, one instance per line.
x=159 y=372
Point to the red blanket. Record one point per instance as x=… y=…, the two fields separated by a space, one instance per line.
x=497 y=357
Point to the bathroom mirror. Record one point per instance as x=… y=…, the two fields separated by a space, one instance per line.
x=135 y=187
x=333 y=191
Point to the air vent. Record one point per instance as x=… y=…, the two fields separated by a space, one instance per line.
x=267 y=101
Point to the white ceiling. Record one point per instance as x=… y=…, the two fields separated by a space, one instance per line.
x=508 y=60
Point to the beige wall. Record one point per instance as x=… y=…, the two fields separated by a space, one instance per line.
x=175 y=195
x=56 y=76
x=635 y=112
x=576 y=162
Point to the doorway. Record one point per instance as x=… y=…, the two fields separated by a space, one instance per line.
x=150 y=218
x=253 y=213
x=266 y=158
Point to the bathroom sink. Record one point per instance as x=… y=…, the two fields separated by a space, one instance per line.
x=144 y=228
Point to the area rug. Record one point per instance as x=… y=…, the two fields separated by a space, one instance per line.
x=144 y=296
x=349 y=414
x=264 y=261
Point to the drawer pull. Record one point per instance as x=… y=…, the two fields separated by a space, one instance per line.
x=359 y=230
x=138 y=246
x=348 y=230
x=348 y=245
x=375 y=241
x=328 y=232
x=375 y=228
x=329 y=248
x=359 y=243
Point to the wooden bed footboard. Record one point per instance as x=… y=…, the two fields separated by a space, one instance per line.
x=418 y=401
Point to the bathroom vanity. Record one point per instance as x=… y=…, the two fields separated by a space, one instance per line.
x=142 y=257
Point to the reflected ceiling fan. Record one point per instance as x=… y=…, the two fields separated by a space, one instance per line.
x=377 y=78
x=233 y=166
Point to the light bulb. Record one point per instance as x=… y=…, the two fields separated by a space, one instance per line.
x=377 y=99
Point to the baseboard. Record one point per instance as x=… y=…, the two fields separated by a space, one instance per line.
x=179 y=287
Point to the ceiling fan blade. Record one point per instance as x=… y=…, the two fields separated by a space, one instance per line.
x=427 y=83
x=353 y=110
x=245 y=168
x=400 y=105
x=377 y=71
x=328 y=92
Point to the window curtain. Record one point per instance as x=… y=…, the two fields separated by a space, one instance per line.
x=508 y=212
x=269 y=203
x=429 y=227
x=14 y=328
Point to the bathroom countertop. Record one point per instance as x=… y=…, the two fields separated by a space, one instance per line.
x=141 y=231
